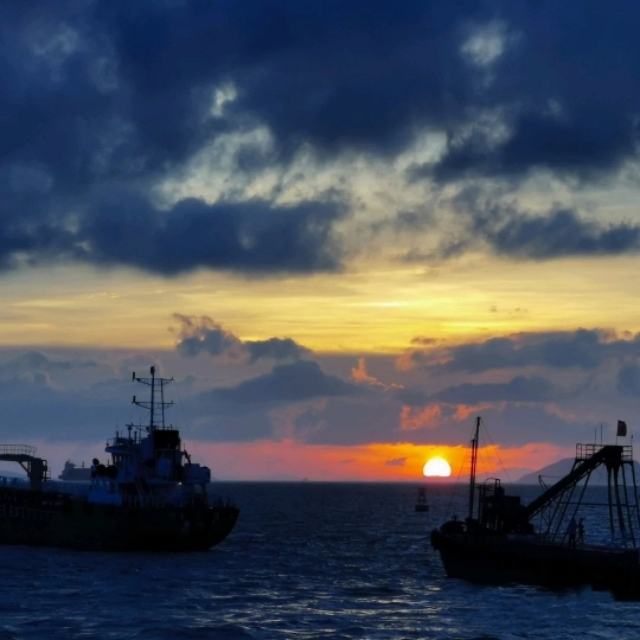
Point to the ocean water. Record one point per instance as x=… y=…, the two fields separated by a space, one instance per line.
x=305 y=561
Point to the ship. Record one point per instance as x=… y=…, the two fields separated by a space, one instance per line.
x=149 y=496
x=422 y=506
x=499 y=544
x=74 y=473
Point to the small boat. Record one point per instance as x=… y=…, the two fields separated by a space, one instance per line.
x=421 y=501
x=149 y=496
x=498 y=544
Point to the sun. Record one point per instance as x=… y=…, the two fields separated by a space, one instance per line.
x=437 y=467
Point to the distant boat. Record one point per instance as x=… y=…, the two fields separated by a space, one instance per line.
x=497 y=543
x=74 y=473
x=421 y=501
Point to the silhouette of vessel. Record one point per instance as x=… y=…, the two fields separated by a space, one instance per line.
x=75 y=473
x=498 y=544
x=150 y=496
x=422 y=506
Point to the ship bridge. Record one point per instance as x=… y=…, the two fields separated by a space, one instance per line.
x=37 y=469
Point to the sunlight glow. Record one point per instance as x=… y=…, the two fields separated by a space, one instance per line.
x=437 y=467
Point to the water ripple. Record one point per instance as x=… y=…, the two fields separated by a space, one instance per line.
x=306 y=562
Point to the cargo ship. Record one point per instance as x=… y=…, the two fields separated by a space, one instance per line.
x=499 y=543
x=75 y=473
x=149 y=496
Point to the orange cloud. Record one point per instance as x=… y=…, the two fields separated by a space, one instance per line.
x=428 y=418
x=360 y=374
x=463 y=411
x=405 y=362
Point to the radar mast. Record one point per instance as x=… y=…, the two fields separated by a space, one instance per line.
x=154 y=406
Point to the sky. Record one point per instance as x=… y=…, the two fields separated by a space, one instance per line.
x=345 y=229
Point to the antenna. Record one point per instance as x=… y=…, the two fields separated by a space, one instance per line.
x=474 y=461
x=153 y=406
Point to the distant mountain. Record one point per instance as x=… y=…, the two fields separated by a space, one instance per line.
x=553 y=472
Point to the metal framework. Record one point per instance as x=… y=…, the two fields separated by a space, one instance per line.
x=568 y=495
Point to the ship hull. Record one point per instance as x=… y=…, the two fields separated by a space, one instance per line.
x=39 y=518
x=500 y=560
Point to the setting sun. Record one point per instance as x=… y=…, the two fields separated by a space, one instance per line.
x=437 y=467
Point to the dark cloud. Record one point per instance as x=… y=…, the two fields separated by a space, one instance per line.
x=123 y=229
x=555 y=234
x=34 y=408
x=411 y=396
x=350 y=420
x=559 y=234
x=396 y=462
x=286 y=383
x=584 y=348
x=203 y=335
x=551 y=89
x=248 y=236
x=241 y=426
x=628 y=380
x=275 y=348
x=520 y=389
x=35 y=361
x=104 y=100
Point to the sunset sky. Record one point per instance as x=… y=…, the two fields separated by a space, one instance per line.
x=345 y=228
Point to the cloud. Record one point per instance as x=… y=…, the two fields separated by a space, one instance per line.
x=303 y=403
x=428 y=417
x=396 y=462
x=301 y=380
x=390 y=68
x=423 y=340
x=275 y=348
x=584 y=349
x=203 y=335
x=36 y=361
x=412 y=396
x=519 y=389
x=251 y=236
x=559 y=232
x=360 y=374
x=104 y=103
x=628 y=381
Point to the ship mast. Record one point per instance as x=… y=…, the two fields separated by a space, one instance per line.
x=153 y=405
x=474 y=461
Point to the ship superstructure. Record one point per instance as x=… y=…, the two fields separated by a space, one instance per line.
x=149 y=463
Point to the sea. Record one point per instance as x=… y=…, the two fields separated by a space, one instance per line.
x=305 y=561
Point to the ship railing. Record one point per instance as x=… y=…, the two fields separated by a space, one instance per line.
x=120 y=441
x=586 y=451
x=17 y=450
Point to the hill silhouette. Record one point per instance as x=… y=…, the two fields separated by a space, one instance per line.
x=553 y=472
